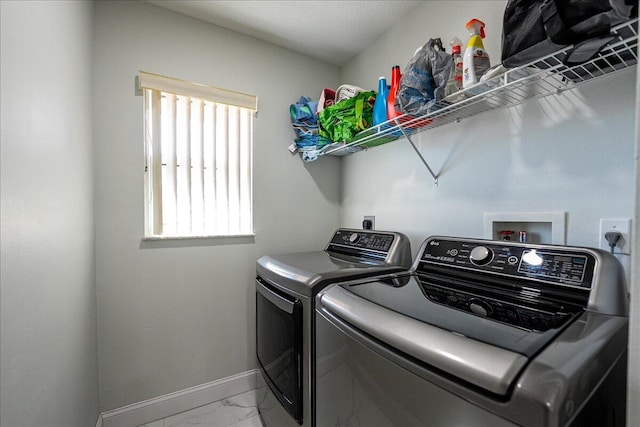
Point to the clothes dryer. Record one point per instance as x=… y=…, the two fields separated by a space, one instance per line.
x=286 y=285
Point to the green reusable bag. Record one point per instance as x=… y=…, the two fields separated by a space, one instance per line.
x=342 y=121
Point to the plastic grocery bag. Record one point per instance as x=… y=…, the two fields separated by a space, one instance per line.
x=424 y=79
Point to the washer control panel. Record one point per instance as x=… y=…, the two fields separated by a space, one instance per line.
x=538 y=318
x=552 y=264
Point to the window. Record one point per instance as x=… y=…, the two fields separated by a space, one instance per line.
x=198 y=159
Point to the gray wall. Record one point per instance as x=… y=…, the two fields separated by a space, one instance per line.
x=633 y=410
x=175 y=315
x=572 y=153
x=48 y=348
x=180 y=314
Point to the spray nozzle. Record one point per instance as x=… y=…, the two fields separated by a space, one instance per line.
x=475 y=27
x=455 y=44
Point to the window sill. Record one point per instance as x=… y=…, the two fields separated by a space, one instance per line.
x=190 y=241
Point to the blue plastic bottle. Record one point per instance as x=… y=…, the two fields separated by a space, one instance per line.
x=380 y=106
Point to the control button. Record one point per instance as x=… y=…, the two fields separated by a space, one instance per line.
x=479 y=307
x=512 y=260
x=354 y=237
x=453 y=252
x=481 y=255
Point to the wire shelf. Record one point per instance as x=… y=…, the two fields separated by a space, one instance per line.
x=545 y=76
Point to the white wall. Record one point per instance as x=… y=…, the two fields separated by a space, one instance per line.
x=48 y=349
x=172 y=316
x=571 y=153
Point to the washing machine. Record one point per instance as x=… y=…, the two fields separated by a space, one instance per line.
x=286 y=286
x=478 y=333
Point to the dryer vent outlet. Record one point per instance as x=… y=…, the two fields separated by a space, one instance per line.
x=369 y=222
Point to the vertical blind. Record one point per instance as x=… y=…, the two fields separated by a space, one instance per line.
x=198 y=171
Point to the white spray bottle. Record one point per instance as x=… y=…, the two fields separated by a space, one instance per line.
x=454 y=83
x=476 y=60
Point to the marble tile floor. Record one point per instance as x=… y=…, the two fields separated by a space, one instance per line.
x=236 y=411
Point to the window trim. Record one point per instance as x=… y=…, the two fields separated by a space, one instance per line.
x=197 y=90
x=158 y=83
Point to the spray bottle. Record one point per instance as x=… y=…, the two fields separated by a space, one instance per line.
x=455 y=78
x=476 y=60
x=456 y=49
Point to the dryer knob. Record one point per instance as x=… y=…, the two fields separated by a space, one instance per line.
x=354 y=237
x=481 y=255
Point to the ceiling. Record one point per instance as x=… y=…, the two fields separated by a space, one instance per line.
x=333 y=31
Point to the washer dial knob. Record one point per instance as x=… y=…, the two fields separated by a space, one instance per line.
x=481 y=255
x=480 y=307
x=354 y=237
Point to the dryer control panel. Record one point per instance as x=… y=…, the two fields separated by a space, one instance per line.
x=363 y=239
x=387 y=247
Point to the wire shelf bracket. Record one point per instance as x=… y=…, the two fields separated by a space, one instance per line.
x=406 y=135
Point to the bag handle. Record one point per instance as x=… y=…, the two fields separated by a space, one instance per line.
x=587 y=50
x=561 y=34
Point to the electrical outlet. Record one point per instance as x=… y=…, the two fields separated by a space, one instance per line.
x=371 y=218
x=623 y=226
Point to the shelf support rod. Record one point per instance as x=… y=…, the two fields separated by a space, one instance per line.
x=406 y=135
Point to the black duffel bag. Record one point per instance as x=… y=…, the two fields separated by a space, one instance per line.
x=533 y=29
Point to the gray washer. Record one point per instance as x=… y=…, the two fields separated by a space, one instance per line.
x=524 y=335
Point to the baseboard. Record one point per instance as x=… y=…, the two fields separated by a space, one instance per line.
x=180 y=401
